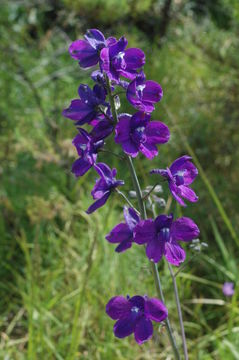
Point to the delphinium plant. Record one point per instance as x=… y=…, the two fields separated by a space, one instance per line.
x=121 y=71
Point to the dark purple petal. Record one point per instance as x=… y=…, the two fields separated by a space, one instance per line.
x=105 y=60
x=131 y=217
x=80 y=167
x=95 y=38
x=149 y=150
x=163 y=221
x=104 y=171
x=79 y=111
x=174 y=253
x=152 y=91
x=143 y=330
x=134 y=58
x=118 y=47
x=185 y=168
x=175 y=192
x=103 y=129
x=130 y=148
x=125 y=326
x=139 y=119
x=99 y=92
x=123 y=129
x=118 y=307
x=155 y=310
x=138 y=301
x=157 y=132
x=187 y=193
x=161 y=172
x=184 y=229
x=98 y=203
x=124 y=245
x=144 y=232
x=119 y=233
x=81 y=50
x=155 y=248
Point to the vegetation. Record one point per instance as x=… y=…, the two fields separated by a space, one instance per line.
x=54 y=284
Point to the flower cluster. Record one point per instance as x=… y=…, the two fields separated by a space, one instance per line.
x=95 y=109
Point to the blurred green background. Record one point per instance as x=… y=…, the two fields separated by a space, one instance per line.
x=57 y=270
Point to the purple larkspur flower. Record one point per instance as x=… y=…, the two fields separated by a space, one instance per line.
x=228 y=289
x=138 y=133
x=86 y=109
x=162 y=236
x=103 y=186
x=135 y=315
x=116 y=61
x=87 y=51
x=87 y=148
x=180 y=175
x=123 y=232
x=143 y=94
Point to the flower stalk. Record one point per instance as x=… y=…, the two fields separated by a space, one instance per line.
x=136 y=134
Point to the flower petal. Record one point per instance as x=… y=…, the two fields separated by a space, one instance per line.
x=155 y=309
x=81 y=50
x=152 y=91
x=95 y=38
x=98 y=203
x=149 y=150
x=122 y=129
x=101 y=130
x=155 y=248
x=175 y=192
x=125 y=326
x=174 y=253
x=126 y=244
x=188 y=193
x=80 y=167
x=143 y=330
x=187 y=167
x=144 y=232
x=79 y=111
x=131 y=217
x=157 y=132
x=119 y=233
x=118 y=307
x=134 y=58
x=163 y=221
x=184 y=229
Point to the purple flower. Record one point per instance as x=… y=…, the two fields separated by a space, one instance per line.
x=87 y=51
x=228 y=289
x=135 y=315
x=123 y=232
x=86 y=109
x=143 y=94
x=138 y=133
x=162 y=236
x=87 y=149
x=180 y=175
x=116 y=61
x=103 y=186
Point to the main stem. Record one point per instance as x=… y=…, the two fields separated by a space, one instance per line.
x=143 y=214
x=185 y=350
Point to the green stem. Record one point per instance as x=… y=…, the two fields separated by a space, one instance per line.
x=179 y=312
